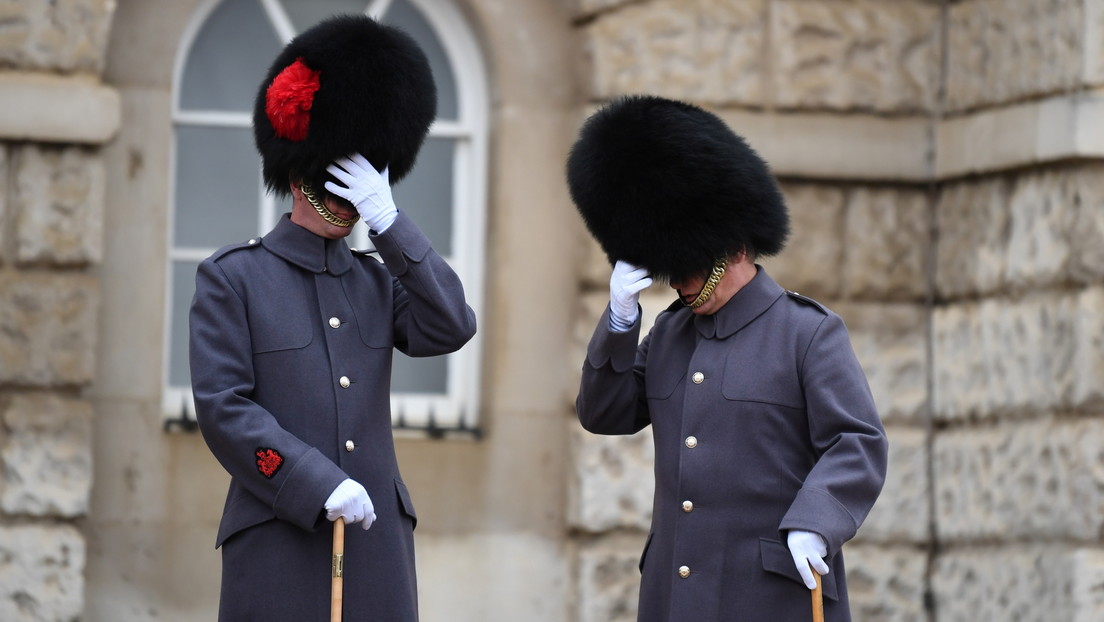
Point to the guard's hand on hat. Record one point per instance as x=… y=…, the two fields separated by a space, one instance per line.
x=807 y=548
x=367 y=189
x=626 y=283
x=350 y=501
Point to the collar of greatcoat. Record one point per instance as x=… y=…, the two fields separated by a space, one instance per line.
x=311 y=252
x=751 y=301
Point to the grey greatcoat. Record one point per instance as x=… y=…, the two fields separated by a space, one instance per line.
x=763 y=422
x=291 y=343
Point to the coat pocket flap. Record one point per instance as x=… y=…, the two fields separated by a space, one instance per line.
x=644 y=553
x=405 y=504
x=777 y=559
x=243 y=512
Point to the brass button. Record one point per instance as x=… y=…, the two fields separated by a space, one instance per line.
x=252 y=241
x=350 y=445
x=687 y=506
x=684 y=571
x=698 y=377
x=691 y=441
x=335 y=323
x=344 y=382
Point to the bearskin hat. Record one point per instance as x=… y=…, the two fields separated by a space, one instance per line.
x=667 y=186
x=347 y=85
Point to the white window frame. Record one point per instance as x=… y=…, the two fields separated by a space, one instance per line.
x=458 y=409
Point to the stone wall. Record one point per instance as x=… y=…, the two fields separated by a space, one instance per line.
x=54 y=116
x=942 y=165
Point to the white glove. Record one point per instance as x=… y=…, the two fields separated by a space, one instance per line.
x=368 y=190
x=626 y=283
x=350 y=501
x=807 y=548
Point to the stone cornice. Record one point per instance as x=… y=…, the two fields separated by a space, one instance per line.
x=833 y=146
x=59 y=109
x=865 y=147
x=1050 y=130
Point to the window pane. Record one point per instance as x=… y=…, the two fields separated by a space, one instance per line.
x=404 y=16
x=419 y=375
x=236 y=42
x=183 y=284
x=217 y=186
x=306 y=13
x=426 y=193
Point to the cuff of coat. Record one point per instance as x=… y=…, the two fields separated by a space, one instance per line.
x=306 y=489
x=616 y=348
x=819 y=512
x=401 y=244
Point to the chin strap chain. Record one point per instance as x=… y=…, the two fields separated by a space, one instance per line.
x=322 y=210
x=719 y=268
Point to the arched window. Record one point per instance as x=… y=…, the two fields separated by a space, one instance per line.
x=218 y=196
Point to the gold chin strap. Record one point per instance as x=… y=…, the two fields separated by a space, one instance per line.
x=719 y=268
x=322 y=210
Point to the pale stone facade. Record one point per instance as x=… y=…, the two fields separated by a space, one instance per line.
x=56 y=117
x=944 y=166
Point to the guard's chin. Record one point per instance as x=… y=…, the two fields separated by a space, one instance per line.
x=688 y=298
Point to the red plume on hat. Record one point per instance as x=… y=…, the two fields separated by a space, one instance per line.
x=667 y=186
x=288 y=100
x=347 y=85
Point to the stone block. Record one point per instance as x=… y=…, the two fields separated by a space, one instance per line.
x=41 y=573
x=989 y=362
x=608 y=580
x=697 y=50
x=886 y=583
x=1018 y=582
x=984 y=366
x=1087 y=365
x=1039 y=221
x=1086 y=226
x=1093 y=52
x=1021 y=233
x=1006 y=50
x=856 y=55
x=57 y=109
x=64 y=36
x=901 y=513
x=46 y=456
x=59 y=205
x=889 y=341
x=974 y=225
x=47 y=329
x=810 y=263
x=612 y=482
x=888 y=235
x=1020 y=481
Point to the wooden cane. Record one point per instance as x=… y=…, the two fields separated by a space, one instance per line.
x=818 y=599
x=338 y=569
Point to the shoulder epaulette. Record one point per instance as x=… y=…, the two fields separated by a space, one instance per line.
x=229 y=248
x=807 y=300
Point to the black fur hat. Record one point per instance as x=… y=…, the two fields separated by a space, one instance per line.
x=669 y=187
x=348 y=84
